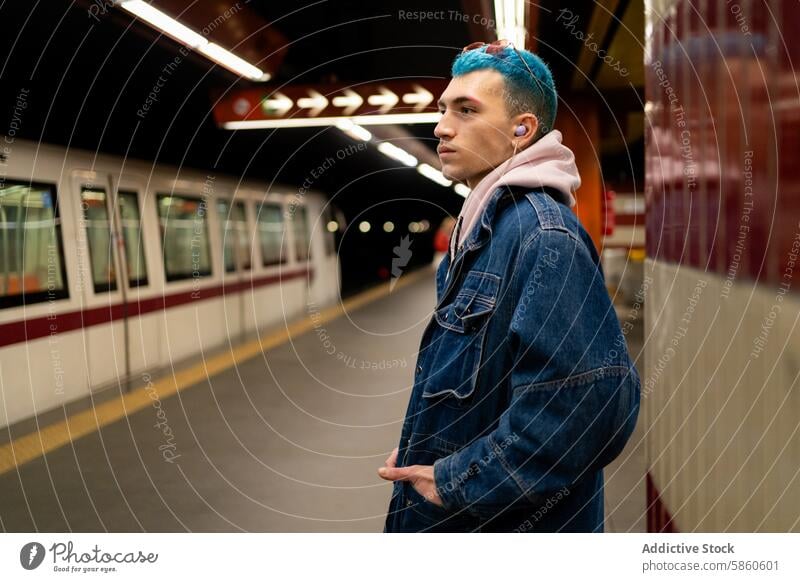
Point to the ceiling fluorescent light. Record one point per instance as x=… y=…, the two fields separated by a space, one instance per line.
x=164 y=23
x=230 y=61
x=510 y=18
x=433 y=174
x=389 y=119
x=353 y=130
x=185 y=35
x=396 y=153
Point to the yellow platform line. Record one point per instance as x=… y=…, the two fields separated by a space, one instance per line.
x=36 y=444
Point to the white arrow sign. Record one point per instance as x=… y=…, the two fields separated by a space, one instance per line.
x=350 y=101
x=279 y=104
x=386 y=100
x=420 y=98
x=315 y=103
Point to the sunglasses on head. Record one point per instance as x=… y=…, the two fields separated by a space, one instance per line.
x=492 y=48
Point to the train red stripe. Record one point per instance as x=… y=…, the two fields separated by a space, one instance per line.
x=22 y=331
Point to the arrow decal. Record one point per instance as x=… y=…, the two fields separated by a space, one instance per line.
x=350 y=101
x=386 y=100
x=316 y=103
x=277 y=105
x=421 y=98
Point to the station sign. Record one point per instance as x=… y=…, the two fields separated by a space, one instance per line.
x=391 y=102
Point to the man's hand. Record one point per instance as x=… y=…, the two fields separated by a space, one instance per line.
x=420 y=476
x=391 y=461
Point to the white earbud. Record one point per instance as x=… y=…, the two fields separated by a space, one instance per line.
x=521 y=130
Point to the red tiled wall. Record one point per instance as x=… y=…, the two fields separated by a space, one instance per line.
x=739 y=94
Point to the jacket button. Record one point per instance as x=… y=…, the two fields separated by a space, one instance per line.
x=445 y=316
x=409 y=503
x=419 y=369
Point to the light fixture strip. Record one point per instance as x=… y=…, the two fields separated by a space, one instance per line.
x=387 y=119
x=510 y=21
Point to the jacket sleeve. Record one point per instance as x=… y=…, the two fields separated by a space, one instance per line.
x=574 y=391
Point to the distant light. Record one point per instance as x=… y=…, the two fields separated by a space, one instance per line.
x=185 y=35
x=396 y=153
x=364 y=226
x=333 y=226
x=424 y=225
x=413 y=227
x=353 y=130
x=433 y=174
x=389 y=119
x=462 y=190
x=388 y=226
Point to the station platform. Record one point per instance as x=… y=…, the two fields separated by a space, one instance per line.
x=283 y=433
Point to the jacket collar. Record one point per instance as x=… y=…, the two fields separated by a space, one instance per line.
x=480 y=236
x=476 y=239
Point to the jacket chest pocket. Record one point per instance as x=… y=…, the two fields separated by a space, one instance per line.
x=455 y=353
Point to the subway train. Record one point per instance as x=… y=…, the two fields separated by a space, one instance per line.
x=112 y=268
x=720 y=399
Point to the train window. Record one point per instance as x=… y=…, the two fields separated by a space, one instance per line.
x=31 y=253
x=132 y=234
x=302 y=234
x=233 y=224
x=184 y=236
x=270 y=234
x=98 y=233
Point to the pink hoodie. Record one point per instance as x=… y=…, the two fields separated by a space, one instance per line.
x=546 y=163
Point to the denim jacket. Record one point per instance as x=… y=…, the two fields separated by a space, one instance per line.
x=524 y=389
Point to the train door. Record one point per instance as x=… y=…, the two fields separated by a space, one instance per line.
x=111 y=264
x=232 y=217
x=144 y=329
x=101 y=289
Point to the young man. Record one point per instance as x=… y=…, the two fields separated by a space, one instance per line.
x=524 y=389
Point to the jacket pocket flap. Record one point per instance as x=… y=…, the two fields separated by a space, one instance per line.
x=476 y=298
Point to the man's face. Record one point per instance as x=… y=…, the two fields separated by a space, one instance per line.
x=475 y=132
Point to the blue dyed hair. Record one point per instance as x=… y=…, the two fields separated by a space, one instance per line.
x=524 y=93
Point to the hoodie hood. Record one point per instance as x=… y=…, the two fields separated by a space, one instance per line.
x=547 y=162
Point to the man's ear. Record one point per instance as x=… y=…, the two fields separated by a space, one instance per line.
x=531 y=124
